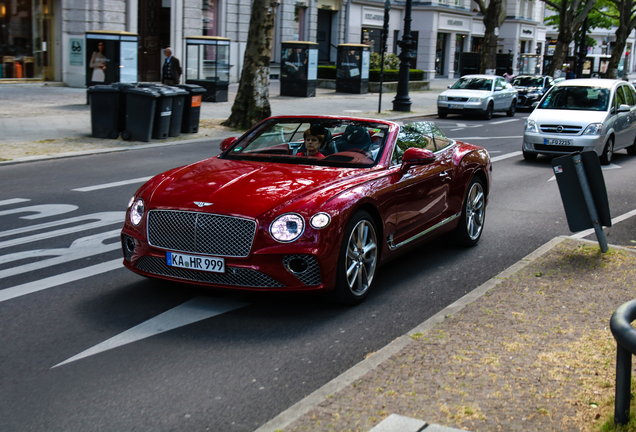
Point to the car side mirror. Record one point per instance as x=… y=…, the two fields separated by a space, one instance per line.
x=624 y=108
x=416 y=156
x=227 y=143
x=448 y=86
x=499 y=88
x=535 y=104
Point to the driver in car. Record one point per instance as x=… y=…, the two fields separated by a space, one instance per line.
x=312 y=144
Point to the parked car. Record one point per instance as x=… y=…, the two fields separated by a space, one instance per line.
x=531 y=88
x=478 y=95
x=263 y=216
x=583 y=114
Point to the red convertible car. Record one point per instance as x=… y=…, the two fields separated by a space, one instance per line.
x=307 y=203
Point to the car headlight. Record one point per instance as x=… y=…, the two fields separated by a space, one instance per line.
x=475 y=99
x=442 y=98
x=287 y=228
x=531 y=126
x=132 y=200
x=137 y=212
x=593 y=129
x=533 y=95
x=320 y=220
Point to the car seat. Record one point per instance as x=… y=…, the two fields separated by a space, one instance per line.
x=355 y=137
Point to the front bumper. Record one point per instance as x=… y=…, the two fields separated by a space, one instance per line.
x=536 y=143
x=453 y=107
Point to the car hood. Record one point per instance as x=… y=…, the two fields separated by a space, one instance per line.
x=568 y=117
x=465 y=93
x=521 y=89
x=243 y=188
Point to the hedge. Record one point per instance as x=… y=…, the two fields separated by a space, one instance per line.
x=390 y=75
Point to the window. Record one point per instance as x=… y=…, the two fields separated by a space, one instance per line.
x=629 y=97
x=620 y=97
x=424 y=135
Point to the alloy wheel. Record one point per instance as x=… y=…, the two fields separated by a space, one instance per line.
x=361 y=257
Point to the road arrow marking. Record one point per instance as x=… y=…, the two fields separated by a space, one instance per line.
x=197 y=309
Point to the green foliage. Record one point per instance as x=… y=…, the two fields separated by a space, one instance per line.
x=326 y=72
x=391 y=61
x=390 y=75
x=595 y=19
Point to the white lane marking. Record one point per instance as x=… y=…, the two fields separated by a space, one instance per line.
x=505 y=121
x=505 y=156
x=197 y=309
x=13 y=201
x=41 y=211
x=603 y=167
x=616 y=220
x=114 y=184
x=106 y=218
x=53 y=281
x=80 y=248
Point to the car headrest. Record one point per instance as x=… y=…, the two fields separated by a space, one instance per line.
x=357 y=136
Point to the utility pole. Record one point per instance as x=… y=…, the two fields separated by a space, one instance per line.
x=402 y=101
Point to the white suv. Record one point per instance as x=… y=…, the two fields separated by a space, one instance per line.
x=580 y=115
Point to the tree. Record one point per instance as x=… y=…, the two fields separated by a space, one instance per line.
x=571 y=13
x=251 y=104
x=494 y=16
x=623 y=12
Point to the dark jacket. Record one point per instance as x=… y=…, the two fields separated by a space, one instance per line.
x=174 y=69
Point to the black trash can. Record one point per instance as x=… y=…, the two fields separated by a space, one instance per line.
x=121 y=120
x=140 y=113
x=104 y=101
x=191 y=108
x=163 y=113
x=178 y=101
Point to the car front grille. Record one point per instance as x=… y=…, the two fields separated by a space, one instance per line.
x=457 y=99
x=234 y=276
x=201 y=233
x=556 y=148
x=564 y=129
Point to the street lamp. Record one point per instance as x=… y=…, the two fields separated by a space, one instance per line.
x=402 y=102
x=383 y=48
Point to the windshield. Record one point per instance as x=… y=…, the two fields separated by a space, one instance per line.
x=327 y=142
x=528 y=82
x=577 y=98
x=473 y=84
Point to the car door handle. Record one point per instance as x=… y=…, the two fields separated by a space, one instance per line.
x=444 y=175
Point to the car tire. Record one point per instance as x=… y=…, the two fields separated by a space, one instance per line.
x=358 y=260
x=608 y=152
x=441 y=115
x=529 y=156
x=631 y=150
x=513 y=108
x=489 y=111
x=473 y=216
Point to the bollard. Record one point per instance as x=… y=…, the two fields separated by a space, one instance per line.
x=625 y=335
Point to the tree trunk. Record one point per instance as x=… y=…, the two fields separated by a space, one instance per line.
x=494 y=16
x=625 y=27
x=252 y=99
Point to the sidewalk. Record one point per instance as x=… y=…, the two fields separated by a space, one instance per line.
x=530 y=350
x=38 y=120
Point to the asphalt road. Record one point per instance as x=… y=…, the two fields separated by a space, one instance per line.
x=86 y=345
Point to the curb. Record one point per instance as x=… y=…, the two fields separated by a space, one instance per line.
x=300 y=408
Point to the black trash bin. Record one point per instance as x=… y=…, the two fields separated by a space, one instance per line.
x=191 y=108
x=121 y=120
x=163 y=113
x=178 y=101
x=141 y=104
x=104 y=101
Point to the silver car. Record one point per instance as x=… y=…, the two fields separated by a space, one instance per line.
x=478 y=94
x=583 y=114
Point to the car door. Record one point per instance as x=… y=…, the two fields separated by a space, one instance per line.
x=622 y=123
x=499 y=95
x=630 y=99
x=422 y=190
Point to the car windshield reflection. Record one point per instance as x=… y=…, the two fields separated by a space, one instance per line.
x=577 y=98
x=473 y=84
x=313 y=142
x=528 y=82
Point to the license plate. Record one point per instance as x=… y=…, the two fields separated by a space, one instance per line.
x=558 y=142
x=455 y=106
x=196 y=262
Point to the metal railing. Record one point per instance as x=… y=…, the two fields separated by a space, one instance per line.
x=625 y=335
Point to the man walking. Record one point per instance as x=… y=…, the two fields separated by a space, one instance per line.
x=171 y=69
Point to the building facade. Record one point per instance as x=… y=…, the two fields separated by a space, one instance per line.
x=46 y=39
